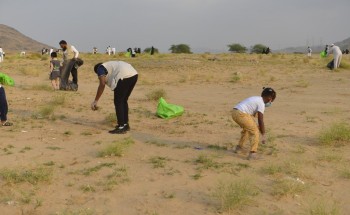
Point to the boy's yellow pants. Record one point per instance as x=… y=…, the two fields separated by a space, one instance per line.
x=250 y=129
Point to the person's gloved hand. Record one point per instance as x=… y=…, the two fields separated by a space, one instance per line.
x=263 y=139
x=94 y=105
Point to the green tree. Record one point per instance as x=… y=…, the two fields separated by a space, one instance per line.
x=180 y=48
x=238 y=48
x=258 y=48
x=148 y=50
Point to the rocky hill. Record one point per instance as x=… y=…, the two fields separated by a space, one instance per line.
x=13 y=40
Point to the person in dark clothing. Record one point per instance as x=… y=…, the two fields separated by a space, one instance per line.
x=3 y=108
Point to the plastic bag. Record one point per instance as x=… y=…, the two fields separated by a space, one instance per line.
x=127 y=54
x=330 y=65
x=6 y=80
x=323 y=54
x=168 y=111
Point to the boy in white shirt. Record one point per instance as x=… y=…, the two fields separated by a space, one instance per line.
x=243 y=114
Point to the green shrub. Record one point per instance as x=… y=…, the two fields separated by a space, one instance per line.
x=235 y=195
x=33 y=176
x=116 y=148
x=336 y=135
x=287 y=186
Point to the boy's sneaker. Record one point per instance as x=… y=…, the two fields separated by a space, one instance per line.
x=252 y=156
x=119 y=130
x=237 y=149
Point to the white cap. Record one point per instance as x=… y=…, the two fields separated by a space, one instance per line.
x=332 y=44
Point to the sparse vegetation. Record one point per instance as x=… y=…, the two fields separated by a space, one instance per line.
x=236 y=77
x=156 y=94
x=345 y=173
x=336 y=134
x=323 y=207
x=183 y=154
x=287 y=186
x=89 y=171
x=158 y=161
x=32 y=176
x=272 y=169
x=235 y=195
x=116 y=149
x=206 y=162
x=157 y=143
x=87 y=188
x=47 y=111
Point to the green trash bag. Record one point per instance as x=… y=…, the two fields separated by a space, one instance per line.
x=6 y=80
x=127 y=54
x=168 y=111
x=323 y=54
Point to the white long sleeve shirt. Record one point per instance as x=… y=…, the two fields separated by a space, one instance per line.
x=334 y=50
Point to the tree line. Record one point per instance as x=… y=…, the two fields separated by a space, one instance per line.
x=235 y=48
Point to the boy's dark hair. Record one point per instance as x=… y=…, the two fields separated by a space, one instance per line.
x=96 y=67
x=269 y=92
x=54 y=54
x=63 y=42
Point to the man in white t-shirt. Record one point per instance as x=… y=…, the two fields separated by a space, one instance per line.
x=243 y=114
x=121 y=77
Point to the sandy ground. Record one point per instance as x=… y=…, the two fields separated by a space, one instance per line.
x=175 y=166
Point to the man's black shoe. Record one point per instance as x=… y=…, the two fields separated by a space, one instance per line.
x=119 y=130
x=127 y=127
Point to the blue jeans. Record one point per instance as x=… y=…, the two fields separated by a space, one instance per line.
x=3 y=105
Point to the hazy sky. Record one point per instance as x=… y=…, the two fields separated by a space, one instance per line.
x=203 y=24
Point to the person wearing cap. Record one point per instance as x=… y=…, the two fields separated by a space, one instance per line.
x=243 y=114
x=70 y=55
x=337 y=55
x=121 y=77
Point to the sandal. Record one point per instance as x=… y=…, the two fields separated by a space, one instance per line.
x=7 y=124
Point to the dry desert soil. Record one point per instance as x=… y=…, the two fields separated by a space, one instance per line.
x=59 y=158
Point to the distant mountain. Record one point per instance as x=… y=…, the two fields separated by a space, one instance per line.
x=208 y=50
x=13 y=40
x=345 y=44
